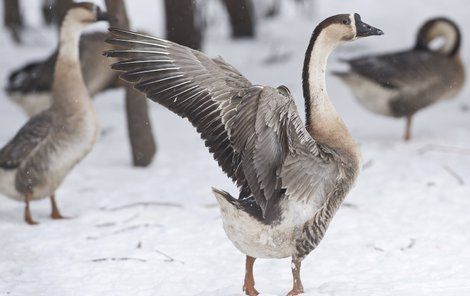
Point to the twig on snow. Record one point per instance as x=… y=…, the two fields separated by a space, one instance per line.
x=125 y=229
x=142 y=204
x=445 y=149
x=168 y=257
x=118 y=259
x=367 y=164
x=455 y=175
x=410 y=245
x=349 y=205
x=105 y=224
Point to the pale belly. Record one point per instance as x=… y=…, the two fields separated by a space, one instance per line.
x=370 y=95
x=60 y=166
x=69 y=154
x=260 y=240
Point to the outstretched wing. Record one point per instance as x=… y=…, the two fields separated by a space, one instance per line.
x=251 y=130
x=25 y=141
x=186 y=82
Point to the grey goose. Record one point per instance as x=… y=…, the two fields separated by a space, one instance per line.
x=36 y=161
x=292 y=177
x=402 y=83
x=30 y=86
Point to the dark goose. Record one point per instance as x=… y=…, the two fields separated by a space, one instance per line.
x=400 y=84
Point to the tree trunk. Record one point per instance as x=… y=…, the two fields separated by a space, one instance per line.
x=47 y=11
x=138 y=122
x=241 y=17
x=182 y=23
x=12 y=18
x=54 y=11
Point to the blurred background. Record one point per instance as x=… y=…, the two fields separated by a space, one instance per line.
x=404 y=229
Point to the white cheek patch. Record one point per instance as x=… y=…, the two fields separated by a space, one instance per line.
x=353 y=25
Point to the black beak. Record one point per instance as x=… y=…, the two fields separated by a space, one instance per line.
x=363 y=29
x=101 y=15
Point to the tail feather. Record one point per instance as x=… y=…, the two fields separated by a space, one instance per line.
x=224 y=195
x=247 y=205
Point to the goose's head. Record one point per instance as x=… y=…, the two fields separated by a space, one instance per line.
x=345 y=27
x=85 y=13
x=435 y=29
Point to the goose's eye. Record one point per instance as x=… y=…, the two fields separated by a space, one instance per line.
x=346 y=22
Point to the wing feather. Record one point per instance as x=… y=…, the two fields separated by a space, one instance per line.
x=32 y=134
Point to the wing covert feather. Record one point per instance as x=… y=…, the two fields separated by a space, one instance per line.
x=25 y=141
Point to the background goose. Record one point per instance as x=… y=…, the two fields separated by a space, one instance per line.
x=31 y=86
x=292 y=177
x=35 y=162
x=400 y=84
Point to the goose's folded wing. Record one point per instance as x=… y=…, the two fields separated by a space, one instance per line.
x=25 y=141
x=247 y=128
x=33 y=77
x=280 y=159
x=409 y=70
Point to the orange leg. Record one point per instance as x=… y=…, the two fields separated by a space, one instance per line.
x=27 y=213
x=297 y=287
x=249 y=284
x=55 y=213
x=407 y=129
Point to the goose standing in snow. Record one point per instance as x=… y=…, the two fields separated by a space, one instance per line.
x=400 y=84
x=36 y=161
x=292 y=178
x=30 y=87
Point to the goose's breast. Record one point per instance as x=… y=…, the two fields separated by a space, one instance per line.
x=73 y=147
x=259 y=240
x=64 y=150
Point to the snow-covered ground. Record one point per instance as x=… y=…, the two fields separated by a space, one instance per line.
x=404 y=230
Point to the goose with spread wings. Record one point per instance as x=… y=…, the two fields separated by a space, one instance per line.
x=292 y=177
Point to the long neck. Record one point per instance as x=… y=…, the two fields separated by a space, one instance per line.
x=69 y=90
x=322 y=121
x=441 y=28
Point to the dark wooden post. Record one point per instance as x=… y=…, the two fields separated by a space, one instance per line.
x=54 y=11
x=181 y=23
x=241 y=17
x=138 y=121
x=12 y=18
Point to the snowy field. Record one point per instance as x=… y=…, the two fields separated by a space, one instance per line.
x=404 y=230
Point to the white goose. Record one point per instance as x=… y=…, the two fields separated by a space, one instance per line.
x=292 y=177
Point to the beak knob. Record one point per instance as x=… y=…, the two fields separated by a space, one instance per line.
x=363 y=29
